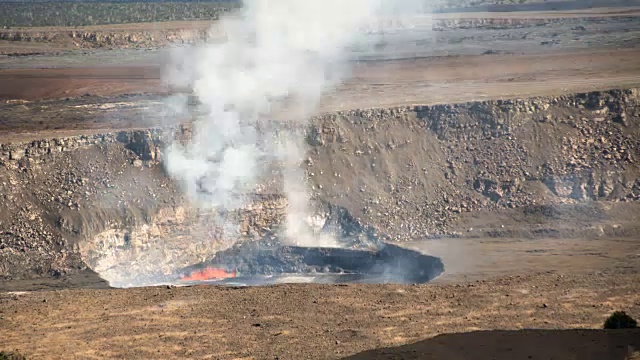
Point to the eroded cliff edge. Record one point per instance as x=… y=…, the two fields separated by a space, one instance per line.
x=553 y=166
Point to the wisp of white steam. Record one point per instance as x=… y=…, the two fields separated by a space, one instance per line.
x=272 y=51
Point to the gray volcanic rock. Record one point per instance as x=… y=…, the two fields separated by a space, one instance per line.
x=397 y=174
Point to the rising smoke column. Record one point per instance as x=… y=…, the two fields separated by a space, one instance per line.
x=273 y=50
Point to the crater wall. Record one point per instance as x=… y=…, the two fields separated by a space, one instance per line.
x=396 y=174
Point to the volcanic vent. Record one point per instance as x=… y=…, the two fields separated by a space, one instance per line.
x=356 y=256
x=263 y=263
x=254 y=95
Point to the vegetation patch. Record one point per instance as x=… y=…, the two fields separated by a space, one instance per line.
x=27 y=14
x=11 y=356
x=620 y=320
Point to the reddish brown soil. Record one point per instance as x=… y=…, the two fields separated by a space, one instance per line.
x=330 y=322
x=417 y=81
x=55 y=83
x=379 y=84
x=468 y=78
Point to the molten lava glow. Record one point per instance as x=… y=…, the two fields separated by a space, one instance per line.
x=209 y=274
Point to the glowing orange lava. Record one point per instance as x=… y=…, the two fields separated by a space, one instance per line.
x=209 y=274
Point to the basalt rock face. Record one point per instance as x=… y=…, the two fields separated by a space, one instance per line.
x=101 y=200
x=91 y=39
x=105 y=201
x=111 y=39
x=521 y=22
x=57 y=191
x=411 y=171
x=139 y=36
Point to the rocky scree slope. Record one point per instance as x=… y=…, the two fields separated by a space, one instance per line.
x=190 y=33
x=104 y=201
x=114 y=39
x=399 y=174
x=410 y=172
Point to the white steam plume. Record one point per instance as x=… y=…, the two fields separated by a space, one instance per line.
x=274 y=50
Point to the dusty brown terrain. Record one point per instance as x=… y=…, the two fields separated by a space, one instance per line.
x=532 y=205
x=56 y=83
x=556 y=167
x=20 y=41
x=374 y=85
x=581 y=245
x=331 y=322
x=45 y=40
x=470 y=78
x=387 y=84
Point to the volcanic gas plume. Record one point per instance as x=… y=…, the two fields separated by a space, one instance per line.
x=249 y=98
x=274 y=50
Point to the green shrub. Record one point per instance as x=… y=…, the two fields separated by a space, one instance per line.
x=85 y=13
x=620 y=320
x=11 y=356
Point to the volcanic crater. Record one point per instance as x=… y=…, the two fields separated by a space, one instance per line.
x=103 y=202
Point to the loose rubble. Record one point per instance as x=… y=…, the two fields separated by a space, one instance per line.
x=392 y=174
